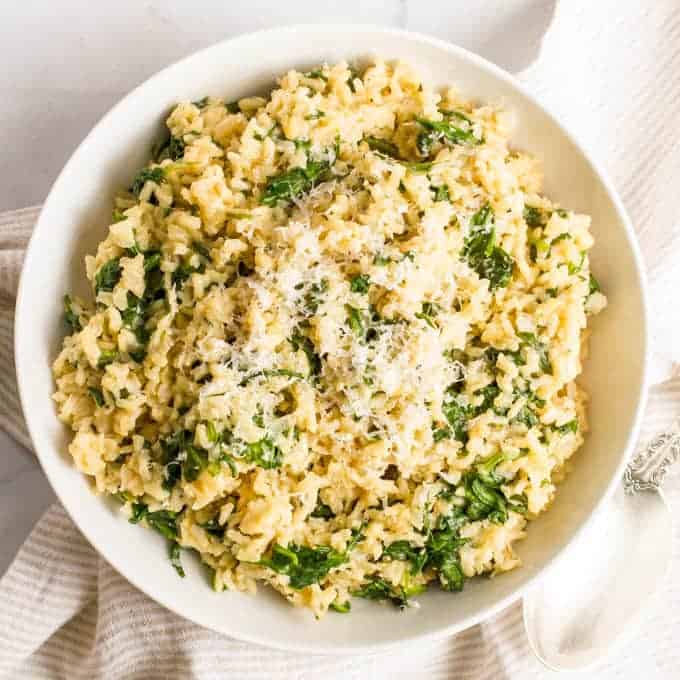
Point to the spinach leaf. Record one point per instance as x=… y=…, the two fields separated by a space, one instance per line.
x=428 y=312
x=106 y=357
x=360 y=283
x=145 y=175
x=443 y=131
x=108 y=276
x=379 y=589
x=263 y=453
x=71 y=319
x=540 y=347
x=304 y=565
x=570 y=427
x=534 y=217
x=163 y=521
x=441 y=193
x=322 y=511
x=593 y=285
x=383 y=146
x=355 y=321
x=175 y=558
x=173 y=148
x=341 y=607
x=97 y=396
x=483 y=255
x=302 y=342
x=294 y=183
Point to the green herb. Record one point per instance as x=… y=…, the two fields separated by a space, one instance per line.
x=441 y=193
x=316 y=73
x=567 y=428
x=263 y=453
x=488 y=394
x=194 y=463
x=440 y=433
x=483 y=256
x=108 y=276
x=534 y=217
x=163 y=521
x=355 y=321
x=360 y=283
x=173 y=148
x=71 y=319
x=97 y=395
x=304 y=565
x=457 y=416
x=381 y=260
x=302 y=342
x=172 y=449
x=302 y=144
x=175 y=559
x=294 y=183
x=576 y=268
x=118 y=215
x=379 y=589
x=383 y=146
x=443 y=131
x=527 y=417
x=428 y=312
x=156 y=175
x=315 y=296
x=106 y=357
x=419 y=168
x=201 y=249
x=403 y=550
x=340 y=607
x=561 y=237
x=542 y=350
x=315 y=115
x=323 y=511
x=233 y=107
x=593 y=285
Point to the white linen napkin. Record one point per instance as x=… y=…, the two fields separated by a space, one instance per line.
x=611 y=71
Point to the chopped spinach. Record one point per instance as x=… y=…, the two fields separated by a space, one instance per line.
x=593 y=285
x=302 y=342
x=108 y=276
x=263 y=453
x=106 y=357
x=294 y=183
x=355 y=321
x=443 y=131
x=304 y=565
x=360 y=283
x=383 y=146
x=542 y=350
x=97 y=396
x=428 y=312
x=71 y=319
x=175 y=558
x=567 y=428
x=441 y=193
x=483 y=255
x=145 y=175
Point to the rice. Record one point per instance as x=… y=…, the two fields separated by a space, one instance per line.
x=334 y=340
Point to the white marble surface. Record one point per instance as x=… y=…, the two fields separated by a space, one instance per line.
x=64 y=64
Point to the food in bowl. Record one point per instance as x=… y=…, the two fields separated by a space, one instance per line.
x=334 y=340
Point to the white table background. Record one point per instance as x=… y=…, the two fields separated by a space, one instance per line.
x=66 y=62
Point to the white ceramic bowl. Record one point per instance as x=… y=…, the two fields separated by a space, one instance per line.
x=75 y=217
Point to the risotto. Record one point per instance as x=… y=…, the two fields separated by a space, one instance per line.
x=334 y=340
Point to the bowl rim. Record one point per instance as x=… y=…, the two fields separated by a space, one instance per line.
x=123 y=566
